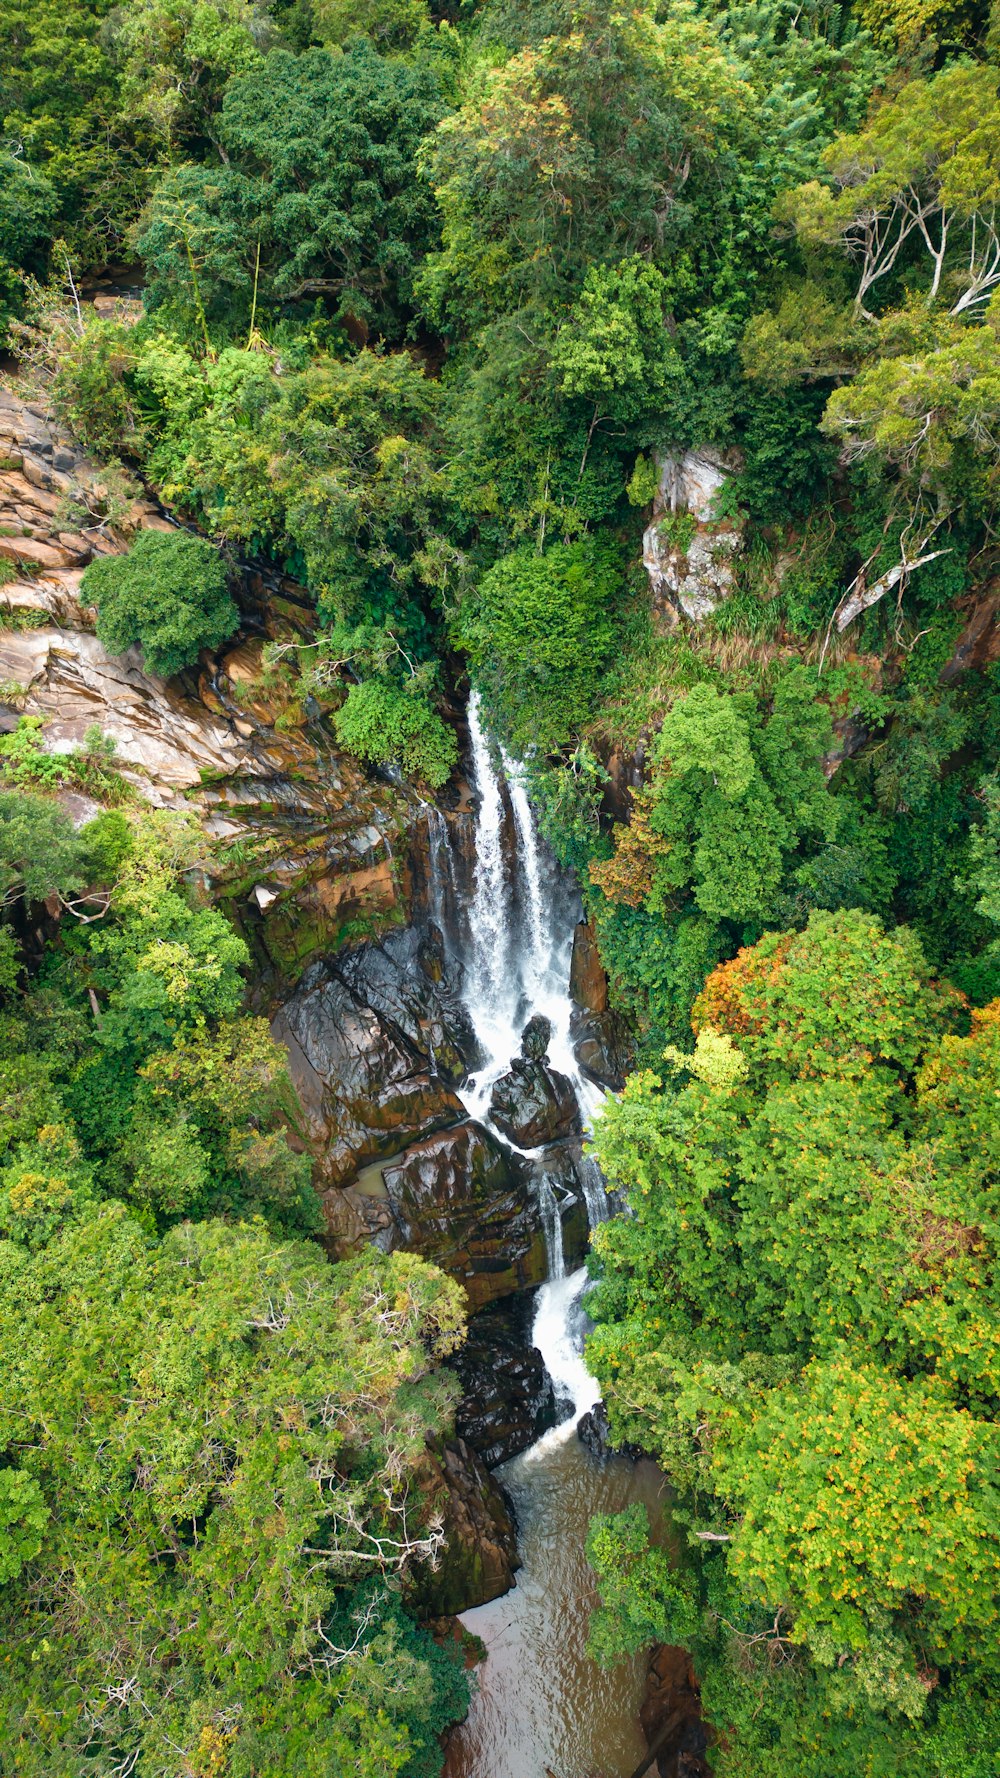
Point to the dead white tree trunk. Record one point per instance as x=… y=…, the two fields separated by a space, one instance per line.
x=861 y=597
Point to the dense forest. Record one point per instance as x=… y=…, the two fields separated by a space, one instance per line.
x=432 y=309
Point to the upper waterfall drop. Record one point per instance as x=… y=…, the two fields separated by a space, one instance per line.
x=492 y=986
x=520 y=924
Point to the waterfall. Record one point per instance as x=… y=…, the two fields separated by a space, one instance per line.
x=521 y=936
x=440 y=870
x=538 y=955
x=525 y=1718
x=492 y=991
x=552 y=1221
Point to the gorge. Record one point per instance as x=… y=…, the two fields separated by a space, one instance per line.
x=499 y=889
x=500 y=918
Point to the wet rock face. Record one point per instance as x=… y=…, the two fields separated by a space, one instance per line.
x=507 y=1397
x=536 y=1037
x=594 y=1432
x=374 y=1049
x=671 y=1718
x=534 y=1105
x=480 y=1552
x=603 y=1048
x=461 y=1199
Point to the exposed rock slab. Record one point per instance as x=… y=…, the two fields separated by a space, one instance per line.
x=461 y=1199
x=323 y=830
x=534 y=1105
x=690 y=567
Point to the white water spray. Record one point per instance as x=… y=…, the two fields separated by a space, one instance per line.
x=440 y=869
x=514 y=973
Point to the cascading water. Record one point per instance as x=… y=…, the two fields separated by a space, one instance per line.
x=441 y=870
x=491 y=988
x=515 y=972
x=542 y=1705
x=512 y=975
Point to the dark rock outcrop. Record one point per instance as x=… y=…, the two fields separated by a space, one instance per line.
x=507 y=1397
x=404 y=981
x=588 y=982
x=479 y=1556
x=374 y=1047
x=533 y=1105
x=603 y=1047
x=536 y=1037
x=670 y=1715
x=594 y=1431
x=461 y=1199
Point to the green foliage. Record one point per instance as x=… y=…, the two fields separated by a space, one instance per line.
x=25 y=761
x=28 y=206
x=799 y=1319
x=427 y=301
x=23 y=1517
x=932 y=418
x=168 y=593
x=934 y=141
x=577 y=150
x=538 y=630
x=317 y=192
x=175 y=58
x=59 y=104
x=387 y=724
x=614 y=348
x=206 y=1364
x=718 y=840
x=643 y=1597
x=40 y=852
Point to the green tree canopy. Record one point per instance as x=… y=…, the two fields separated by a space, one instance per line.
x=169 y=594
x=227 y=1427
x=317 y=194
x=538 y=630
x=800 y=1315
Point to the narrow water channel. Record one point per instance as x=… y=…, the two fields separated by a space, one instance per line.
x=541 y=1706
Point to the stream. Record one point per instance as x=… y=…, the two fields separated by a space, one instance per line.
x=540 y=1704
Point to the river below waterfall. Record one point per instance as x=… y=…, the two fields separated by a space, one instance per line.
x=540 y=1705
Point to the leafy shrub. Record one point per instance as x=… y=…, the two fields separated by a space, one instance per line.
x=168 y=594
x=384 y=723
x=539 y=632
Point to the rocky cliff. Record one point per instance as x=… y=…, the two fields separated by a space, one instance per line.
x=311 y=841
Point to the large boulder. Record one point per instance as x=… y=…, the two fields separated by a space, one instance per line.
x=405 y=981
x=507 y=1396
x=372 y=1052
x=603 y=1048
x=461 y=1199
x=536 y=1037
x=533 y=1105
x=479 y=1554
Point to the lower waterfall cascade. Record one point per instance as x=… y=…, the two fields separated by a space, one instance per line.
x=542 y=1706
